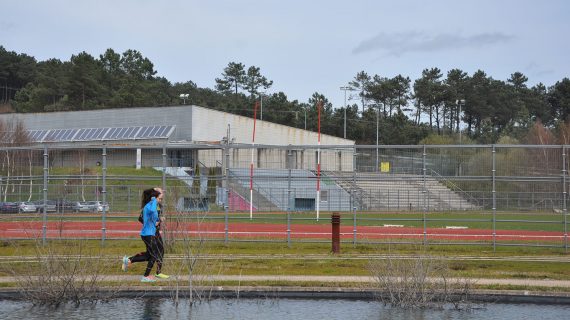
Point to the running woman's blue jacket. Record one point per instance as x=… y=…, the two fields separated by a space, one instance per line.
x=150 y=218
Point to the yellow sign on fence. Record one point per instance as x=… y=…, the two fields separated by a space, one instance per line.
x=385 y=167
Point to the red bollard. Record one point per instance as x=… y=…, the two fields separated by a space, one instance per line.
x=335 y=221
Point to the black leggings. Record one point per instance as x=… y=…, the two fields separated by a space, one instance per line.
x=154 y=253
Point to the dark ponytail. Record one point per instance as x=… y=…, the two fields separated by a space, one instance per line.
x=147 y=196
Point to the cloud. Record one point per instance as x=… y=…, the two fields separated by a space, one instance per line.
x=402 y=43
x=536 y=70
x=6 y=26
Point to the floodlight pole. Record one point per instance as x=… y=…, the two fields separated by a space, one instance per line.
x=261 y=106
x=184 y=96
x=459 y=103
x=377 y=136
x=305 y=109
x=346 y=88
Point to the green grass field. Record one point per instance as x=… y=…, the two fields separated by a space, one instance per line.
x=472 y=220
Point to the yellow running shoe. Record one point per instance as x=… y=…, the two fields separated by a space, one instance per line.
x=162 y=276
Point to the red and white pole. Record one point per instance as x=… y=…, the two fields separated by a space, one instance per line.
x=319 y=106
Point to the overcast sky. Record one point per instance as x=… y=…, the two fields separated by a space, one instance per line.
x=304 y=46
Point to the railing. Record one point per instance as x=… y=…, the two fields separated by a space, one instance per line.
x=258 y=189
x=454 y=187
x=354 y=190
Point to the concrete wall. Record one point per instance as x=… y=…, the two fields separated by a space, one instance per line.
x=211 y=125
x=115 y=158
x=276 y=158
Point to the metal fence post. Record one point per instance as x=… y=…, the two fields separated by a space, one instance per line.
x=289 y=156
x=164 y=168
x=104 y=194
x=424 y=191
x=45 y=190
x=226 y=155
x=352 y=197
x=564 y=196
x=494 y=192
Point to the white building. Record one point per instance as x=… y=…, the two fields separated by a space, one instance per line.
x=189 y=134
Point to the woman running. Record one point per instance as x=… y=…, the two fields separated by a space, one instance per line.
x=150 y=234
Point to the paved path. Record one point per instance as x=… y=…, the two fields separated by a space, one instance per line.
x=212 y=279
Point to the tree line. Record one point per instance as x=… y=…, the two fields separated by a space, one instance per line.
x=393 y=110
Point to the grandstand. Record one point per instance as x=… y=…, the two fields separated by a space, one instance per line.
x=381 y=191
x=271 y=187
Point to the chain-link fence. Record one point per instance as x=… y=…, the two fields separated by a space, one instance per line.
x=459 y=194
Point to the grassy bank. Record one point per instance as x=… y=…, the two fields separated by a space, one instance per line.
x=27 y=257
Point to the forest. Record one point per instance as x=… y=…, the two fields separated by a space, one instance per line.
x=437 y=108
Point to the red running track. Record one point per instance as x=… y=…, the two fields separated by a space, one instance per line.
x=130 y=230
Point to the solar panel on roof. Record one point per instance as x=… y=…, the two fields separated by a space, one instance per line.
x=100 y=133
x=86 y=134
x=143 y=132
x=68 y=134
x=82 y=134
x=132 y=132
x=150 y=132
x=154 y=132
x=94 y=134
x=110 y=134
x=124 y=134
x=58 y=135
x=36 y=135
x=49 y=136
x=161 y=131
x=54 y=135
x=117 y=134
x=121 y=133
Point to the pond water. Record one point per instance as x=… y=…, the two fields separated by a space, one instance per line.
x=270 y=309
